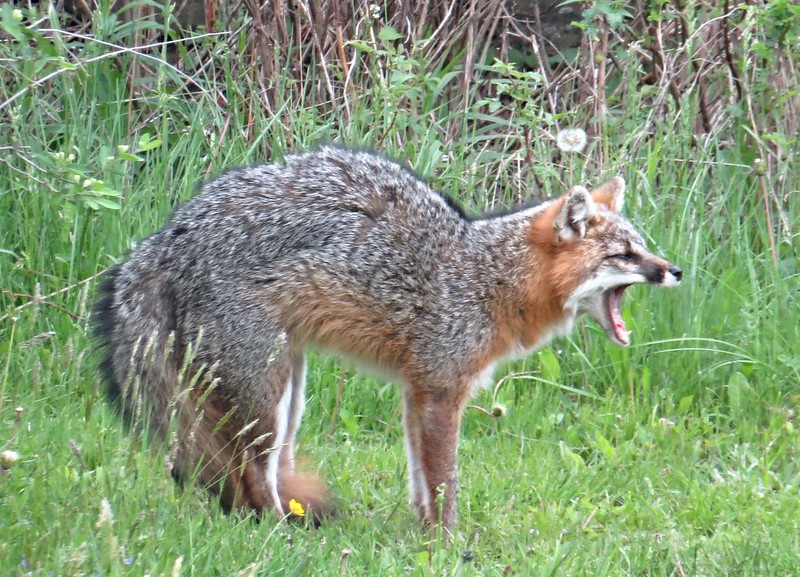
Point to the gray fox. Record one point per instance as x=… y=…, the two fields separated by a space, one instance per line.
x=206 y=325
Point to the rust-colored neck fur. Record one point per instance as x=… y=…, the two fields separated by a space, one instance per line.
x=531 y=308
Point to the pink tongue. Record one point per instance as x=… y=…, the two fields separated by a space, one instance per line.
x=614 y=300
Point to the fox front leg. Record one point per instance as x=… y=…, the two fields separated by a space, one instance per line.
x=432 y=422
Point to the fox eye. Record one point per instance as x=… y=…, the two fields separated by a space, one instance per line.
x=625 y=256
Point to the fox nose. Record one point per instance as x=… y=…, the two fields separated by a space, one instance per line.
x=676 y=272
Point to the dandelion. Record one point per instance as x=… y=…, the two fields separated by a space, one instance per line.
x=343 y=560
x=8 y=458
x=499 y=410
x=297 y=508
x=571 y=140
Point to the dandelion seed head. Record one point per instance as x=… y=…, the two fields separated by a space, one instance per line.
x=8 y=458
x=571 y=140
x=499 y=410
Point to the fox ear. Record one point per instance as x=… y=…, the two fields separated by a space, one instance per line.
x=573 y=217
x=611 y=194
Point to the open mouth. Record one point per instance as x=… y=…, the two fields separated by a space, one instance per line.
x=613 y=301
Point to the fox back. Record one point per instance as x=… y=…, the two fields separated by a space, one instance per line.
x=207 y=323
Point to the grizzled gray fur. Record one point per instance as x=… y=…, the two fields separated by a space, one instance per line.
x=206 y=325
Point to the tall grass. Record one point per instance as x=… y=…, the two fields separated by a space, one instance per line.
x=675 y=456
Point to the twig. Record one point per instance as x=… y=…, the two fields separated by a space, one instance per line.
x=137 y=52
x=678 y=560
x=320 y=51
x=726 y=45
x=349 y=89
x=43 y=299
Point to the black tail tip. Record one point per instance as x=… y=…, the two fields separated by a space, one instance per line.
x=102 y=326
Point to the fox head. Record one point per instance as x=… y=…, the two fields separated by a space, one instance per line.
x=594 y=254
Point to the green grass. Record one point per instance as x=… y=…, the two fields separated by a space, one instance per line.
x=676 y=456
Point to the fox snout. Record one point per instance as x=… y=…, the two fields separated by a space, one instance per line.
x=662 y=273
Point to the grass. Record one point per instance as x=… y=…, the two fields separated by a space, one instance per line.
x=676 y=456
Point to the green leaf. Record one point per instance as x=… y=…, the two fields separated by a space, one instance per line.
x=147 y=142
x=11 y=26
x=606 y=449
x=101 y=189
x=350 y=422
x=129 y=156
x=106 y=202
x=684 y=404
x=572 y=460
x=549 y=365
x=363 y=46
x=389 y=34
x=67 y=65
x=423 y=559
x=738 y=388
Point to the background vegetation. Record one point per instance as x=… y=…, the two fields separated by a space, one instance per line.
x=676 y=456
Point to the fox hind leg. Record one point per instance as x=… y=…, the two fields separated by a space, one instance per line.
x=293 y=484
x=281 y=420
x=297 y=407
x=213 y=454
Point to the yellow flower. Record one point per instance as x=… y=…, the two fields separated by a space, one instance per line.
x=297 y=508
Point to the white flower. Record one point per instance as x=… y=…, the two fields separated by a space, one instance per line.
x=499 y=410
x=375 y=10
x=8 y=458
x=571 y=140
